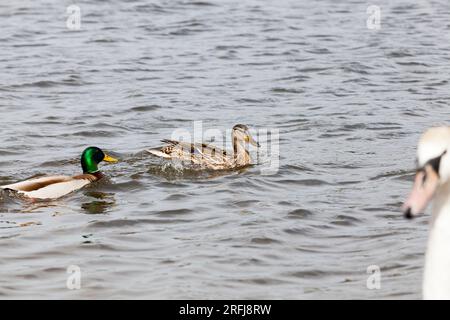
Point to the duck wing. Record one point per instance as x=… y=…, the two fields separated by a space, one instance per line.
x=50 y=187
x=35 y=184
x=198 y=153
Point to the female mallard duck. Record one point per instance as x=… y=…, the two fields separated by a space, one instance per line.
x=53 y=187
x=211 y=157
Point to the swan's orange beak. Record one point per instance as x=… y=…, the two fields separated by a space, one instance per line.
x=425 y=185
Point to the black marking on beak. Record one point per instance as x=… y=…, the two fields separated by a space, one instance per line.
x=408 y=214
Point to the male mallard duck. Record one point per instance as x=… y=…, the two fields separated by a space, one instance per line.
x=432 y=182
x=53 y=187
x=209 y=156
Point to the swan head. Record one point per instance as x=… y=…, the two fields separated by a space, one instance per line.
x=433 y=158
x=242 y=133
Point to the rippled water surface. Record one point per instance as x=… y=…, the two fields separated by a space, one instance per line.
x=349 y=102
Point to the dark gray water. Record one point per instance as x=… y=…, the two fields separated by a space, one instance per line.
x=350 y=104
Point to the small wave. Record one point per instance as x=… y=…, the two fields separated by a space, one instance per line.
x=299 y=214
x=345 y=220
x=398 y=174
x=265 y=241
x=287 y=90
x=174 y=212
x=199 y=4
x=146 y=108
x=303 y=182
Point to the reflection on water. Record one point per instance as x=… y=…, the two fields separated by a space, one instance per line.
x=104 y=203
x=174 y=170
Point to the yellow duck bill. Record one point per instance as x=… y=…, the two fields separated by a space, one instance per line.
x=110 y=159
x=252 y=141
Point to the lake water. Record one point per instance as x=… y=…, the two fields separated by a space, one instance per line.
x=349 y=103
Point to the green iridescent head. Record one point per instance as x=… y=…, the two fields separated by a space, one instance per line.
x=91 y=157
